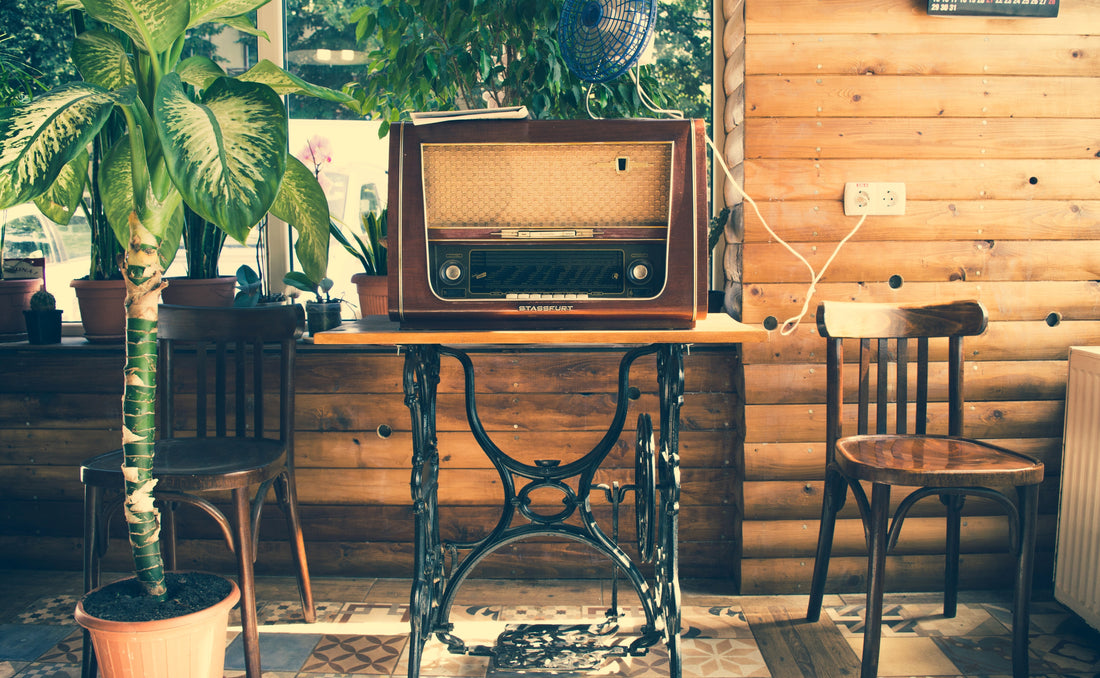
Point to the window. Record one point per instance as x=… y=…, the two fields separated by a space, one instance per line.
x=316 y=40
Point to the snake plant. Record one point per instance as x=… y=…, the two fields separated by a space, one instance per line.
x=193 y=136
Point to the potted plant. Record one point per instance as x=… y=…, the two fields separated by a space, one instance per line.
x=370 y=250
x=43 y=319
x=17 y=83
x=322 y=314
x=194 y=136
x=100 y=294
x=18 y=283
x=203 y=285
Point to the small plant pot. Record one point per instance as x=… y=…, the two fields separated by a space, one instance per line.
x=43 y=326
x=373 y=293
x=321 y=316
x=102 y=309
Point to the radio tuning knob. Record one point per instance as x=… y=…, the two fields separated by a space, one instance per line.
x=639 y=271
x=451 y=272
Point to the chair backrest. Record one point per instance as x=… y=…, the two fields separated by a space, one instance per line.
x=229 y=352
x=883 y=332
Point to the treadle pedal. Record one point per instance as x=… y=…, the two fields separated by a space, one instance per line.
x=538 y=650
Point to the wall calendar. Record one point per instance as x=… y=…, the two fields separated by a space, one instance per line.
x=994 y=8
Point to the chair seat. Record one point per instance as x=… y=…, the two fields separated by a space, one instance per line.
x=195 y=464
x=933 y=461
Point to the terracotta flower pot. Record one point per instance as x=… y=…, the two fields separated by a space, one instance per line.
x=102 y=309
x=373 y=294
x=200 y=291
x=190 y=646
x=15 y=297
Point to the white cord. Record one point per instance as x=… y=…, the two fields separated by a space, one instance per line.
x=791 y=323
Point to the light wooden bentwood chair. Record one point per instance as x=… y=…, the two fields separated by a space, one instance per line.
x=948 y=466
x=214 y=437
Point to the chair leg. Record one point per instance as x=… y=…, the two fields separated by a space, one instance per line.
x=876 y=566
x=287 y=495
x=832 y=500
x=1021 y=600
x=243 y=546
x=88 y=668
x=954 y=504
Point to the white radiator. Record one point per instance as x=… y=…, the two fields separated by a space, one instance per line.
x=1077 y=568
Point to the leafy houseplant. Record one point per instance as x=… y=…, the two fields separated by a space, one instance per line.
x=444 y=55
x=371 y=252
x=192 y=136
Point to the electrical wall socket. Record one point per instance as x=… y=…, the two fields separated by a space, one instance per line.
x=877 y=198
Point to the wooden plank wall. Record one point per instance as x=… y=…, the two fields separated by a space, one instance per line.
x=992 y=126
x=59 y=406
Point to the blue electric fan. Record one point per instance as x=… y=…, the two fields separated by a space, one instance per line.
x=601 y=39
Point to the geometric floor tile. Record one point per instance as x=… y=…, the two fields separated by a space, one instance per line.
x=278 y=651
x=476 y=613
x=720 y=657
x=43 y=670
x=51 y=610
x=355 y=655
x=372 y=612
x=1067 y=654
x=914 y=656
x=541 y=613
x=714 y=622
x=991 y=655
x=437 y=660
x=28 y=642
x=850 y=620
x=968 y=621
x=291 y=612
x=366 y=633
x=67 y=651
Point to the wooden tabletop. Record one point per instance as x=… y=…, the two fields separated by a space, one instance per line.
x=380 y=330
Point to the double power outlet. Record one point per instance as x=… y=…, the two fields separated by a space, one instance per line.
x=875 y=198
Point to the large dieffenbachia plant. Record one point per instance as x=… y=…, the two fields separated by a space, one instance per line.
x=192 y=136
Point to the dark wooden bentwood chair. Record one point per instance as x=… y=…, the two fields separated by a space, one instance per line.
x=948 y=466
x=213 y=436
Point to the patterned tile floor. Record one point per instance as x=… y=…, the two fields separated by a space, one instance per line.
x=362 y=631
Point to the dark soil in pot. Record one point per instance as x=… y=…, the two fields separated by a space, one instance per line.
x=188 y=592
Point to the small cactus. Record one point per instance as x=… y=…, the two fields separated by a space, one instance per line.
x=43 y=301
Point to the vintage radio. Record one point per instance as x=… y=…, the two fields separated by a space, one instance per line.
x=548 y=224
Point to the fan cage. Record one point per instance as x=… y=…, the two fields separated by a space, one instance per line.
x=601 y=39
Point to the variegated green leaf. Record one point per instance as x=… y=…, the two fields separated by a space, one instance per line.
x=227 y=153
x=162 y=218
x=199 y=71
x=302 y=204
x=37 y=139
x=102 y=60
x=66 y=5
x=244 y=25
x=61 y=200
x=203 y=11
x=153 y=25
x=288 y=83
